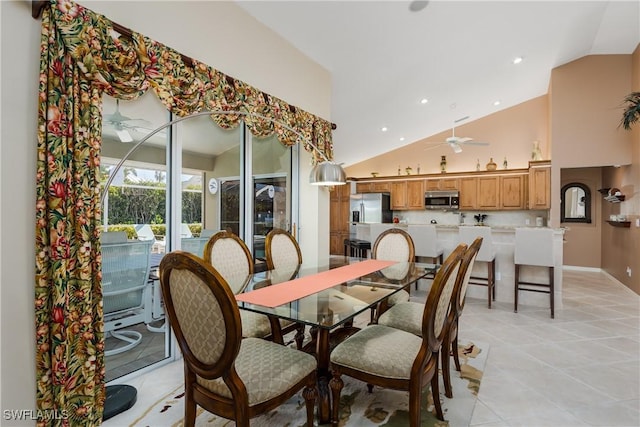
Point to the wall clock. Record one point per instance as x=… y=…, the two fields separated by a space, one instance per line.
x=213 y=186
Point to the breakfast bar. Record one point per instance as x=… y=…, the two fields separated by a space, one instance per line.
x=504 y=244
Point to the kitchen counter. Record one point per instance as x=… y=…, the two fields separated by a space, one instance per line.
x=504 y=244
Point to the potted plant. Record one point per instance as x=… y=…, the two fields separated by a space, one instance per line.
x=631 y=113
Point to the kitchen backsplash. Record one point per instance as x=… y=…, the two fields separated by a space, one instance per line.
x=493 y=218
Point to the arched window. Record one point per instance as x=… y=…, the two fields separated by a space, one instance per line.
x=575 y=205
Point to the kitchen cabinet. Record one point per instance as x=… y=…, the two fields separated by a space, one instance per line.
x=399 y=195
x=488 y=193
x=492 y=192
x=339 y=217
x=406 y=195
x=415 y=194
x=540 y=185
x=442 y=184
x=512 y=192
x=373 y=187
x=468 y=193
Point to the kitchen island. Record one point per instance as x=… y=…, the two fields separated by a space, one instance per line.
x=504 y=244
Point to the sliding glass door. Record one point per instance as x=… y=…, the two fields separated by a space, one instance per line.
x=181 y=186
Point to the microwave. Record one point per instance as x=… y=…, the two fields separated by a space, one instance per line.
x=441 y=200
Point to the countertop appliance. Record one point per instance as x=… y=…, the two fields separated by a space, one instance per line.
x=442 y=199
x=369 y=208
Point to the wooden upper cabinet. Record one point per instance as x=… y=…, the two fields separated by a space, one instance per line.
x=431 y=184
x=441 y=184
x=415 y=194
x=468 y=193
x=363 y=187
x=540 y=185
x=488 y=192
x=373 y=187
x=512 y=192
x=399 y=195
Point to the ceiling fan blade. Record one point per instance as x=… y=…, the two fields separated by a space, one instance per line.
x=123 y=135
x=475 y=143
x=433 y=145
x=456 y=147
x=464 y=140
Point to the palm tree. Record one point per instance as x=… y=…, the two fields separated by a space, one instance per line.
x=631 y=113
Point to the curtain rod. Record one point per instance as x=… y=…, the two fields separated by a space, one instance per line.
x=38 y=5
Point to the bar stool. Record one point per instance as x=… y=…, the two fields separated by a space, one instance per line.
x=487 y=254
x=534 y=247
x=425 y=240
x=356 y=248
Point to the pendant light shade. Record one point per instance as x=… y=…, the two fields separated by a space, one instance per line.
x=327 y=173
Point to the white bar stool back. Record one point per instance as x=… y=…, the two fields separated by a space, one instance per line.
x=487 y=254
x=534 y=246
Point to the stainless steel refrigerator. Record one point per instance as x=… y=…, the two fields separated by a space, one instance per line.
x=369 y=208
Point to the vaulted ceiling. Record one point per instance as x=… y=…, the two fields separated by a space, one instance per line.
x=385 y=59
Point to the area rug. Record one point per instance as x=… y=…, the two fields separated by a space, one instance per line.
x=383 y=407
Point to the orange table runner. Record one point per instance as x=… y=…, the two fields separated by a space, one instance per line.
x=282 y=293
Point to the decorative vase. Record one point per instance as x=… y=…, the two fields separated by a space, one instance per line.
x=504 y=163
x=491 y=166
x=408 y=170
x=536 y=154
x=478 y=165
x=443 y=164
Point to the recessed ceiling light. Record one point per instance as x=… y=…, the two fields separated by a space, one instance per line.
x=417 y=5
x=402 y=138
x=496 y=103
x=424 y=101
x=384 y=129
x=517 y=59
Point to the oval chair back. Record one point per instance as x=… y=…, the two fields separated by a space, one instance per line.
x=282 y=250
x=394 y=244
x=230 y=257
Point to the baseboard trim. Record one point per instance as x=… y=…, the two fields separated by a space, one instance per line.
x=579 y=268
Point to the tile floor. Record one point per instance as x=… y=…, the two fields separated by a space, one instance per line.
x=580 y=369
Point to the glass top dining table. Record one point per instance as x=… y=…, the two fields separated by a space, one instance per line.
x=330 y=312
x=339 y=304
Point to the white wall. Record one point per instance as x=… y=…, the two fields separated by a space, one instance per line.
x=219 y=34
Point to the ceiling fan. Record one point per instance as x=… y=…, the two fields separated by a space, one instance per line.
x=121 y=124
x=456 y=142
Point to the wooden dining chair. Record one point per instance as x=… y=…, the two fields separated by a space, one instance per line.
x=407 y=316
x=283 y=255
x=230 y=376
x=393 y=244
x=393 y=358
x=281 y=250
x=229 y=255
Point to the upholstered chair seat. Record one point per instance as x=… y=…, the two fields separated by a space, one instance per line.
x=267 y=376
x=382 y=344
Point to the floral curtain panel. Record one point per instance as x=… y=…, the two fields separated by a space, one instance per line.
x=79 y=61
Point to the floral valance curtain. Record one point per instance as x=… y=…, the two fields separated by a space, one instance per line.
x=79 y=61
x=128 y=66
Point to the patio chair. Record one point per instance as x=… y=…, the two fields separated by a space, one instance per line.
x=145 y=233
x=125 y=289
x=230 y=376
